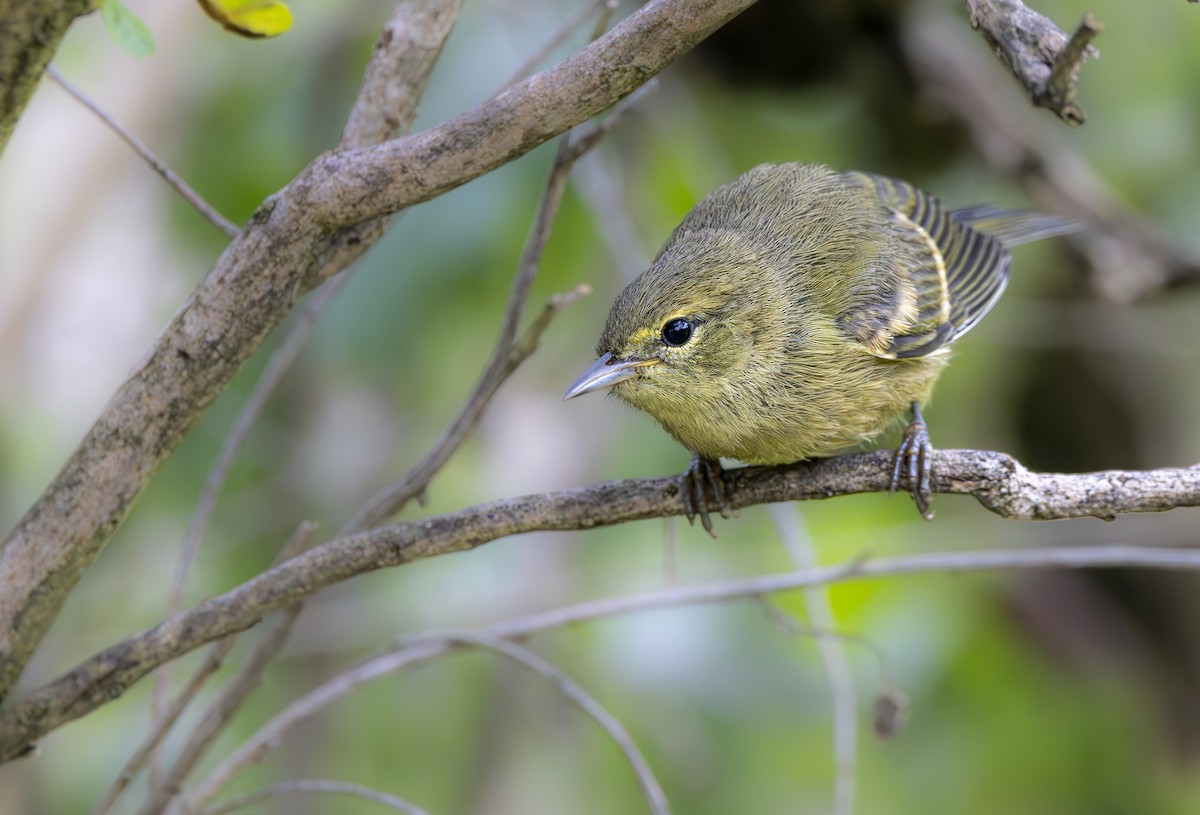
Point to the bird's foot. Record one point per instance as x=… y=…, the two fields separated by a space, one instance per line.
x=703 y=488
x=913 y=463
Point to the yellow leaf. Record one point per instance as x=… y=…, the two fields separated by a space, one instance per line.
x=250 y=18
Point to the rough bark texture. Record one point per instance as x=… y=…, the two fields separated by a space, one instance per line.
x=1038 y=53
x=998 y=481
x=30 y=31
x=299 y=237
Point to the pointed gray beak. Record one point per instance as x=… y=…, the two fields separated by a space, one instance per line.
x=604 y=373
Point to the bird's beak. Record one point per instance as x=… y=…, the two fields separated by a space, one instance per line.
x=604 y=373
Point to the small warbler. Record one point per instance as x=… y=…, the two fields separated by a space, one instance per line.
x=797 y=312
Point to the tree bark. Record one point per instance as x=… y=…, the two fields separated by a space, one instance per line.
x=30 y=31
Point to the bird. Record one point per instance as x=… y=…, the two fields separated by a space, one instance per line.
x=799 y=312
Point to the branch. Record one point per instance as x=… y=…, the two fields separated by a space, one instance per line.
x=168 y=175
x=1038 y=53
x=575 y=693
x=30 y=31
x=422 y=649
x=163 y=722
x=311 y=786
x=832 y=651
x=299 y=237
x=1130 y=257
x=449 y=641
x=998 y=481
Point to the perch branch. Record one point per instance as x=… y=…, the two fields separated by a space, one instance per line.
x=996 y=480
x=1038 y=53
x=300 y=236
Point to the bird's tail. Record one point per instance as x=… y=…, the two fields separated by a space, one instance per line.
x=1014 y=226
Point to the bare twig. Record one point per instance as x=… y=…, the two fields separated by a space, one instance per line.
x=445 y=643
x=164 y=722
x=1129 y=256
x=279 y=363
x=170 y=176
x=998 y=481
x=1038 y=53
x=221 y=711
x=587 y=703
x=422 y=649
x=508 y=353
x=311 y=786
x=568 y=27
x=833 y=657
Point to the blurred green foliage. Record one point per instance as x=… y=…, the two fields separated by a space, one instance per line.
x=1058 y=696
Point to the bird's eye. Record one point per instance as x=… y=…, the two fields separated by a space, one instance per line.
x=677 y=332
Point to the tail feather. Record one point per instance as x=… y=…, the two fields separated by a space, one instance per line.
x=1013 y=227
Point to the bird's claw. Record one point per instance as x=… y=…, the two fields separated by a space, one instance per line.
x=702 y=487
x=913 y=463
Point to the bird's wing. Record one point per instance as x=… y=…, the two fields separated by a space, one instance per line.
x=949 y=273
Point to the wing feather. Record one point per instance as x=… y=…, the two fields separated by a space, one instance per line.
x=952 y=271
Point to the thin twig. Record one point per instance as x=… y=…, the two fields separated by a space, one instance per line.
x=1062 y=87
x=1129 y=256
x=443 y=643
x=166 y=721
x=277 y=366
x=170 y=176
x=568 y=27
x=575 y=693
x=507 y=354
x=800 y=548
x=421 y=649
x=1038 y=53
x=222 y=709
x=311 y=786
x=503 y=361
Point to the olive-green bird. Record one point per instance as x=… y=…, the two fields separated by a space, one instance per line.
x=797 y=312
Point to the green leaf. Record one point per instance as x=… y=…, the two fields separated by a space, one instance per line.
x=128 y=29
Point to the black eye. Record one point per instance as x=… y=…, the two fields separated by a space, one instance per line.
x=677 y=332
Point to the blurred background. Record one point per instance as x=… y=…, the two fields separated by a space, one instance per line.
x=1061 y=693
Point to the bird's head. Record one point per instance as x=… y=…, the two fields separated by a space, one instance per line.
x=688 y=329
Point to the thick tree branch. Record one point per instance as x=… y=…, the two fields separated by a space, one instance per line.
x=299 y=237
x=998 y=481
x=1037 y=52
x=30 y=31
